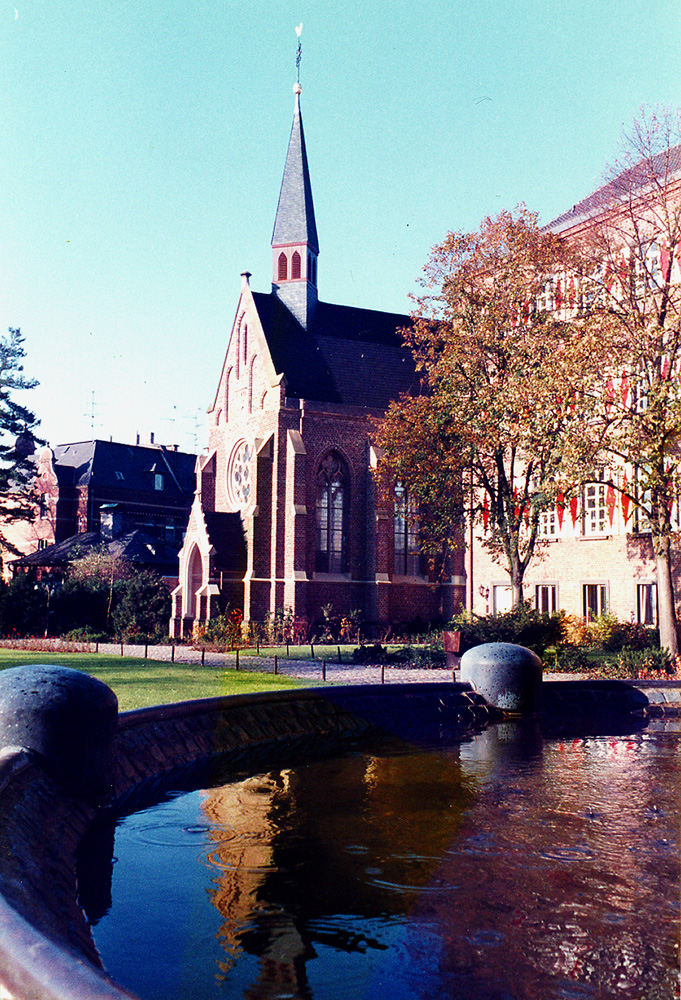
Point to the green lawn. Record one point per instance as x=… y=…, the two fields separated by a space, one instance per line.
x=326 y=651
x=139 y=682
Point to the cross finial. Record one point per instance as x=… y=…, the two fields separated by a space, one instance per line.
x=299 y=52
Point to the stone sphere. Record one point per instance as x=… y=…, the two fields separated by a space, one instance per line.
x=508 y=677
x=67 y=717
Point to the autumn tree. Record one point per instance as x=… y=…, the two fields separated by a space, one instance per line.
x=634 y=301
x=17 y=440
x=507 y=387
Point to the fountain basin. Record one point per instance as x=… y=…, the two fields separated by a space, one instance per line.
x=46 y=949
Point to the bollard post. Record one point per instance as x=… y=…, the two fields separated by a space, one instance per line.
x=339 y=655
x=257 y=647
x=172 y=652
x=287 y=650
x=236 y=662
x=121 y=649
x=203 y=655
x=276 y=665
x=383 y=673
x=323 y=670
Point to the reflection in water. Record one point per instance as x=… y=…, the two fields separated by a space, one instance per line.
x=506 y=867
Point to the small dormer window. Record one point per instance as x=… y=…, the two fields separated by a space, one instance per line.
x=283 y=267
x=158 y=480
x=295 y=265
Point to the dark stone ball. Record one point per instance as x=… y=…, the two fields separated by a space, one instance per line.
x=509 y=677
x=65 y=716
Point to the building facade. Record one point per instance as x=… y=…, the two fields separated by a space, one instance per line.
x=93 y=488
x=596 y=553
x=286 y=514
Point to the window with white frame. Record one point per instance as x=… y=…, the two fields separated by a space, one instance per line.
x=502 y=598
x=594 y=509
x=646 y=603
x=548 y=524
x=594 y=600
x=546 y=598
x=643 y=498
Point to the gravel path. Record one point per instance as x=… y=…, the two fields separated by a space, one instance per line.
x=308 y=669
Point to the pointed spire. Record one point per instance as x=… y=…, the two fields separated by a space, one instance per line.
x=295 y=246
x=295 y=221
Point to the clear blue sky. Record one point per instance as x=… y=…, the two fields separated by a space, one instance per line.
x=143 y=145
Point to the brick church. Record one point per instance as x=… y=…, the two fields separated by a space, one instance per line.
x=286 y=514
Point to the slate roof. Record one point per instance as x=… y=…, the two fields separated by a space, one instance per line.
x=346 y=355
x=295 y=221
x=665 y=165
x=109 y=463
x=135 y=546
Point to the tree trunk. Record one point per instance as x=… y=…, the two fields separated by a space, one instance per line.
x=666 y=607
x=516 y=573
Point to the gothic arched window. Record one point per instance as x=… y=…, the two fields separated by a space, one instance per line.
x=332 y=505
x=406 y=534
x=295 y=265
x=283 y=267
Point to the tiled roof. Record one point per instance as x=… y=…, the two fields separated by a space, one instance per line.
x=347 y=355
x=665 y=165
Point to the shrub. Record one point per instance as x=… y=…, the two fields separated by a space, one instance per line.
x=571 y=659
x=223 y=630
x=648 y=663
x=609 y=634
x=424 y=657
x=631 y=635
x=370 y=654
x=24 y=607
x=141 y=606
x=86 y=634
x=576 y=631
x=522 y=625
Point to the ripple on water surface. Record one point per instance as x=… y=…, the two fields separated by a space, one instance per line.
x=405 y=873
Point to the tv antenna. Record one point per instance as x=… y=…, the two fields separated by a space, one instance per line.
x=91 y=415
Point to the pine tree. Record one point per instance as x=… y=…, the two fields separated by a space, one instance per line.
x=17 y=437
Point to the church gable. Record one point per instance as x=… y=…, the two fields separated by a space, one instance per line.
x=248 y=381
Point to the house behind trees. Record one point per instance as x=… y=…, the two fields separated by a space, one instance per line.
x=597 y=553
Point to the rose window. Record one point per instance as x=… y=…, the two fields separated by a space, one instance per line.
x=240 y=474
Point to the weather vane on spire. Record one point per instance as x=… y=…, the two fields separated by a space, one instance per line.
x=299 y=52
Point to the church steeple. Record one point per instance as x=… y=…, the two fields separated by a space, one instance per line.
x=295 y=247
